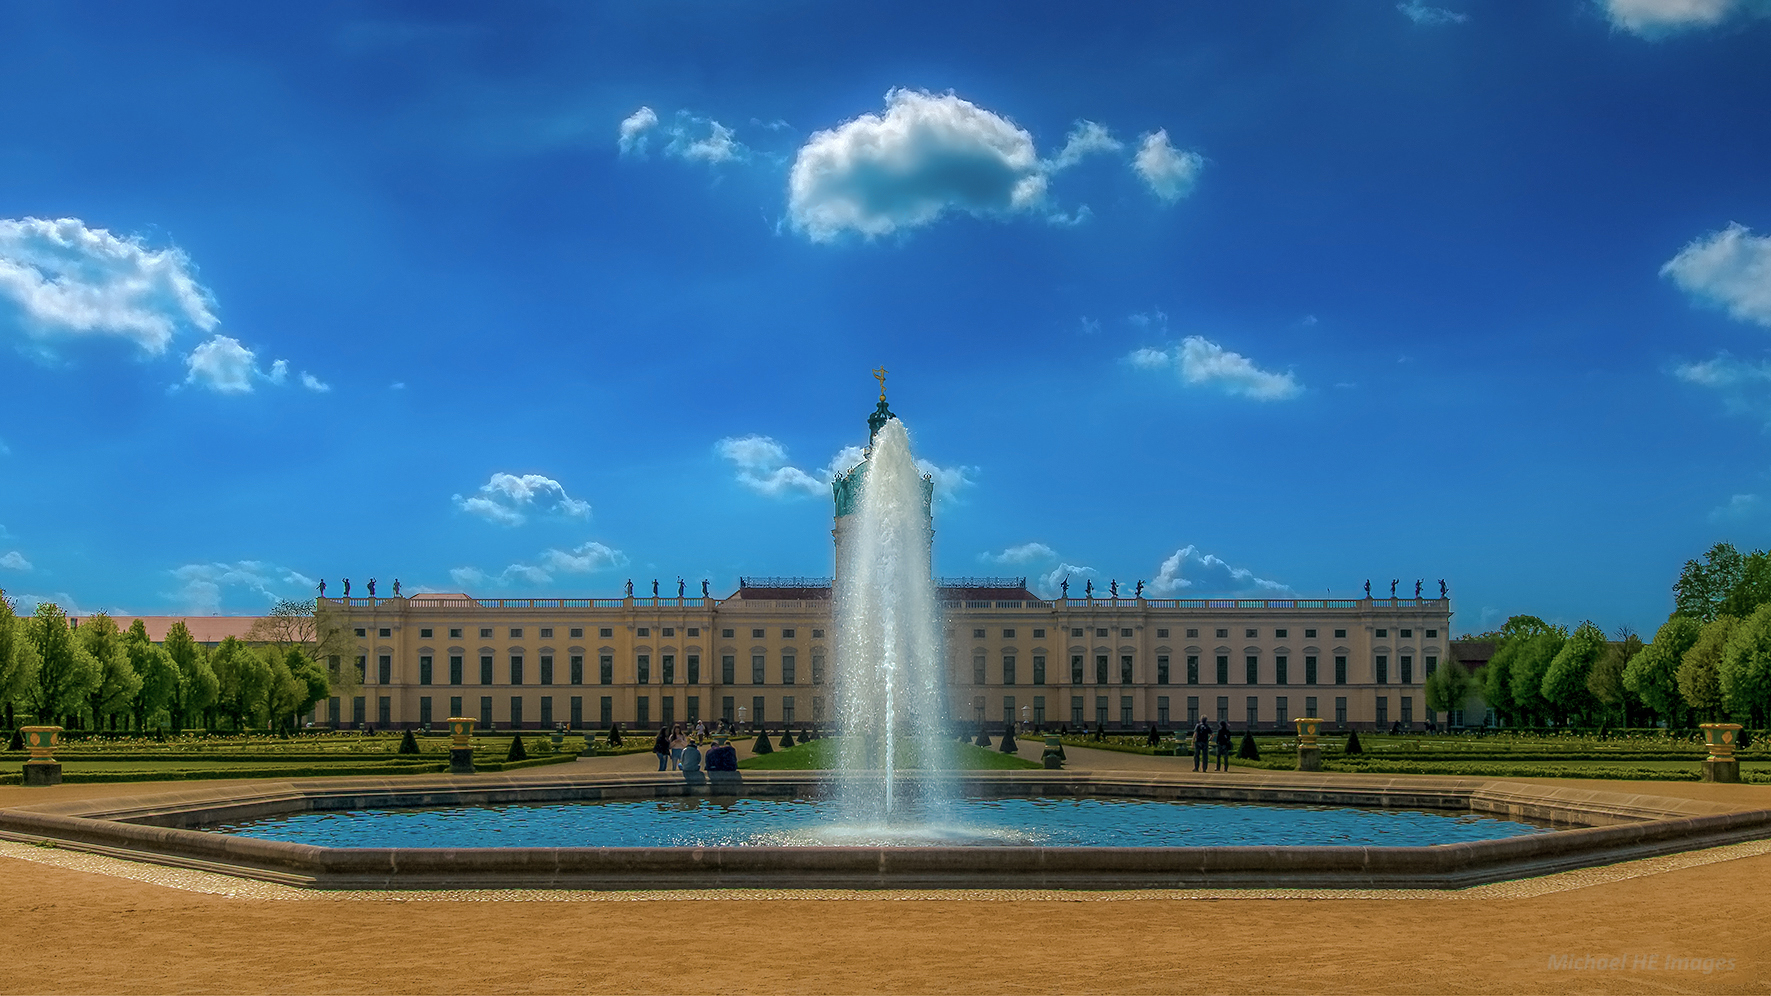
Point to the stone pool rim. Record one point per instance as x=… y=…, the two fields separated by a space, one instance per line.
x=1606 y=827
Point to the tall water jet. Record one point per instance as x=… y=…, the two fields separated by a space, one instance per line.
x=889 y=667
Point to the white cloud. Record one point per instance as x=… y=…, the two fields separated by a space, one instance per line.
x=313 y=383
x=202 y=584
x=587 y=558
x=1187 y=569
x=762 y=466
x=67 y=279
x=1023 y=554
x=1738 y=508
x=1657 y=18
x=15 y=561
x=506 y=498
x=703 y=139
x=1723 y=371
x=1201 y=362
x=926 y=155
x=1050 y=583
x=1170 y=172
x=634 y=129
x=1731 y=268
x=1420 y=13
x=1086 y=139
x=222 y=364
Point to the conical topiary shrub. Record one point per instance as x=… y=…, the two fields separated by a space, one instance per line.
x=408 y=743
x=1248 y=751
x=1353 y=743
x=983 y=739
x=1746 y=738
x=18 y=741
x=787 y=736
x=1154 y=738
x=761 y=745
x=1008 y=741
x=517 y=753
x=615 y=735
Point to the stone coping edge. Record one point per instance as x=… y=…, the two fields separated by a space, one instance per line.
x=153 y=829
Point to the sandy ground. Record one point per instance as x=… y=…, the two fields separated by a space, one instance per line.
x=85 y=924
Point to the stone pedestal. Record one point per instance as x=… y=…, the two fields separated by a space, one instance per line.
x=42 y=772
x=1309 y=758
x=461 y=760
x=1721 y=769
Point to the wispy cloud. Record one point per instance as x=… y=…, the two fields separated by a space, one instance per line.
x=1738 y=509
x=1026 y=553
x=1050 y=584
x=686 y=136
x=1203 y=363
x=586 y=558
x=1192 y=570
x=201 y=586
x=15 y=561
x=1088 y=138
x=1730 y=268
x=1659 y=18
x=1422 y=14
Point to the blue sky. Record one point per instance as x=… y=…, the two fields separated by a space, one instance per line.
x=531 y=299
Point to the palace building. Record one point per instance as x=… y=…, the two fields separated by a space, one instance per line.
x=761 y=655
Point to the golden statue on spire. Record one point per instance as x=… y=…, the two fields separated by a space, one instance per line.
x=879 y=374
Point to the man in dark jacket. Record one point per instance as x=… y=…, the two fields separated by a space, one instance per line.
x=1223 y=742
x=1202 y=746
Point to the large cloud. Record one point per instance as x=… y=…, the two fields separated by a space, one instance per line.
x=1655 y=18
x=1730 y=268
x=508 y=498
x=1169 y=172
x=926 y=155
x=67 y=279
x=1203 y=363
x=763 y=467
x=1191 y=570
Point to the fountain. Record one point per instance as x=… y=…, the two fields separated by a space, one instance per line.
x=889 y=665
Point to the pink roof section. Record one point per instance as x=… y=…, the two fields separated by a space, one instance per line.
x=204 y=629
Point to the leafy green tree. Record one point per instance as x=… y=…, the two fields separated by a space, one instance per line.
x=1536 y=654
x=286 y=691
x=242 y=678
x=1606 y=681
x=1653 y=674
x=196 y=680
x=1700 y=683
x=1752 y=590
x=1745 y=669
x=325 y=636
x=1447 y=687
x=18 y=656
x=1703 y=587
x=66 y=673
x=1497 y=677
x=1565 y=682
x=117 y=679
x=159 y=675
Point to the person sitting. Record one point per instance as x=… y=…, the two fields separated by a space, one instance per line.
x=690 y=764
x=722 y=756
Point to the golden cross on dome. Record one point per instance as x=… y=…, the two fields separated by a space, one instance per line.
x=879 y=374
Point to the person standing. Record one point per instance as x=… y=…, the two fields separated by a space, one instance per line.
x=1223 y=742
x=1202 y=746
x=661 y=747
x=677 y=742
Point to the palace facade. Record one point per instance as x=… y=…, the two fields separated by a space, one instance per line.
x=761 y=655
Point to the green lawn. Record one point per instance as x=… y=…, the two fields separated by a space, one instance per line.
x=821 y=755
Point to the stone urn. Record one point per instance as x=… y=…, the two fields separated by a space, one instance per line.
x=1309 y=728
x=461 y=745
x=1053 y=756
x=1720 y=738
x=41 y=741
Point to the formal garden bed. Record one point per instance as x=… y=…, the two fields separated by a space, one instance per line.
x=821 y=754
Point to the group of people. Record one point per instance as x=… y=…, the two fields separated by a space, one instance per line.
x=1204 y=740
x=679 y=748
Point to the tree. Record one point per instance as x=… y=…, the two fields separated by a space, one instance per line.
x=1752 y=590
x=241 y=679
x=196 y=681
x=1448 y=687
x=1699 y=675
x=1702 y=588
x=159 y=675
x=1536 y=653
x=117 y=679
x=1606 y=681
x=286 y=693
x=65 y=671
x=1497 y=677
x=1745 y=668
x=1653 y=674
x=1565 y=682
x=18 y=656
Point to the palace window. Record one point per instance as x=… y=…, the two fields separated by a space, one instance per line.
x=1281 y=710
x=1310 y=706
x=1162 y=634
x=1432 y=665
x=1125 y=706
x=455 y=675
x=1340 y=634
x=577 y=665
x=1100 y=710
x=728 y=633
x=1309 y=634
x=1383 y=669
x=645 y=631
x=1193 y=634
x=1253 y=665
x=1281 y=664
x=605 y=711
x=1008 y=669
x=694 y=669
x=667 y=664
x=485 y=632
x=1100 y=631
x=1432 y=634
x=547 y=632
x=1223 y=669
x=455 y=634
x=1192 y=669
x=756 y=634
x=757 y=663
x=1124 y=670
x=1340 y=670
x=788 y=669
x=1279 y=634
x=1076 y=670
x=362 y=632
x=1039 y=634
x=1039 y=669
x=485 y=670
x=578 y=634
x=1254 y=711
x=787 y=634
x=1076 y=631
x=977 y=634
x=1340 y=710
x=1223 y=708
x=605 y=632
x=1162 y=710
x=1407 y=663
x=644 y=666
x=1251 y=633
x=817 y=634
x=1192 y=710
x=694 y=631
x=605 y=666
x=516 y=633
x=668 y=631
x=817 y=669
x=978 y=669
x=1223 y=633
x=1383 y=634
x=384 y=670
x=1076 y=709
x=1162 y=669
x=1383 y=709
x=516 y=670
x=424 y=634
x=1100 y=669
x=728 y=669
x=1407 y=634
x=424 y=667
x=1008 y=634
x=1309 y=669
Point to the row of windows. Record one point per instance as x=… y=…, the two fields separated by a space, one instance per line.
x=666 y=672
x=1280 y=710
x=577 y=632
x=1162 y=634
x=1282 y=673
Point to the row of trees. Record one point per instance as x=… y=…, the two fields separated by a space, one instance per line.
x=1711 y=660
x=96 y=675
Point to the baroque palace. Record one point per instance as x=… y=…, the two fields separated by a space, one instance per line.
x=760 y=655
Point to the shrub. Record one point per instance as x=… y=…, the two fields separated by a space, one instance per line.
x=1008 y=741
x=761 y=745
x=787 y=736
x=983 y=738
x=615 y=735
x=1247 y=751
x=517 y=753
x=18 y=741
x=1353 y=743
x=408 y=743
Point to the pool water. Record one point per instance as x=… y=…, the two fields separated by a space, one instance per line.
x=1041 y=822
